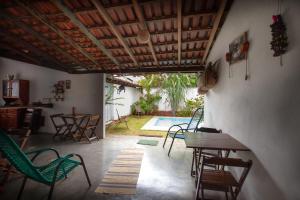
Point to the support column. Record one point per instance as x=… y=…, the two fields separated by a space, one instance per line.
x=101 y=126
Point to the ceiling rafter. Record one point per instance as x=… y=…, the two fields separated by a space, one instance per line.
x=76 y=22
x=214 y=29
x=109 y=21
x=163 y=68
x=143 y=26
x=41 y=38
x=54 y=28
x=46 y=59
x=179 y=23
x=129 y=22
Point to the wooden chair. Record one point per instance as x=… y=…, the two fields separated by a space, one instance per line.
x=120 y=120
x=222 y=180
x=206 y=153
x=59 y=124
x=89 y=128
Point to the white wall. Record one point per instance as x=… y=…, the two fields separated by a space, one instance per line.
x=263 y=112
x=129 y=97
x=84 y=93
x=164 y=105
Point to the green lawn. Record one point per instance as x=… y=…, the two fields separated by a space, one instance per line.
x=135 y=124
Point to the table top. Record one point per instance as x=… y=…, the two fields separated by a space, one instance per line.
x=213 y=141
x=76 y=116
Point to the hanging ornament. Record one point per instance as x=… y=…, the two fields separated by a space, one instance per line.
x=279 y=41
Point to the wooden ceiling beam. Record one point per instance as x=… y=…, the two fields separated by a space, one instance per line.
x=42 y=56
x=114 y=29
x=144 y=26
x=162 y=69
x=214 y=29
x=44 y=40
x=179 y=23
x=83 y=29
x=172 y=42
x=54 y=28
x=21 y=53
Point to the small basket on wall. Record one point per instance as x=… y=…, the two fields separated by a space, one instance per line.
x=208 y=79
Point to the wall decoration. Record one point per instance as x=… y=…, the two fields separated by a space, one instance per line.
x=279 y=41
x=209 y=78
x=58 y=91
x=238 y=51
x=68 y=84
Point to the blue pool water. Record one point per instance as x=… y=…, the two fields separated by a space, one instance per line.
x=169 y=121
x=164 y=123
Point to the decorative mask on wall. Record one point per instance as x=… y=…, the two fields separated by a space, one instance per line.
x=238 y=51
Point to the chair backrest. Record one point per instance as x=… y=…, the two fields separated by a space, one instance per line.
x=94 y=120
x=231 y=162
x=55 y=118
x=17 y=158
x=196 y=119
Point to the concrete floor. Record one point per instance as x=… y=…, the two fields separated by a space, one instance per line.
x=161 y=177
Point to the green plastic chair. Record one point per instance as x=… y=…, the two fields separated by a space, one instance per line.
x=48 y=174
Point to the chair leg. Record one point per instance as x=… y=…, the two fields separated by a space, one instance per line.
x=165 y=140
x=193 y=160
x=171 y=146
x=51 y=191
x=202 y=193
x=86 y=173
x=22 y=188
x=226 y=195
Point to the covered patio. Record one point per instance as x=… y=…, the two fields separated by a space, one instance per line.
x=57 y=58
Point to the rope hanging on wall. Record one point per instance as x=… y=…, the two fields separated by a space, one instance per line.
x=279 y=42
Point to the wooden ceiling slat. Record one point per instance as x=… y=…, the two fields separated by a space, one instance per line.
x=75 y=21
x=46 y=59
x=32 y=11
x=214 y=29
x=41 y=38
x=181 y=35
x=143 y=25
x=109 y=21
x=163 y=69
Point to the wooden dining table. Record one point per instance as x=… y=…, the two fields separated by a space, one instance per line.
x=200 y=141
x=74 y=123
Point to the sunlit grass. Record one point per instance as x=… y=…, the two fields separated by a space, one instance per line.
x=135 y=124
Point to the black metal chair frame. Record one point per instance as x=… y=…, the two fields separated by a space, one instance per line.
x=37 y=153
x=181 y=130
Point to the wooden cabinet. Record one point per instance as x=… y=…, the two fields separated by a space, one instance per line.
x=10 y=117
x=15 y=91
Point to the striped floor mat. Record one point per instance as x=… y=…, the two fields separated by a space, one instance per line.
x=123 y=174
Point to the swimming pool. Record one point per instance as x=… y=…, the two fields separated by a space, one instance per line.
x=164 y=123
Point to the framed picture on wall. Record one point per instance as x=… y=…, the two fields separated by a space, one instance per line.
x=236 y=48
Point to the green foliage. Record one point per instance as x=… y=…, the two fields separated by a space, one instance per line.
x=190 y=106
x=173 y=85
x=109 y=96
x=147 y=103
